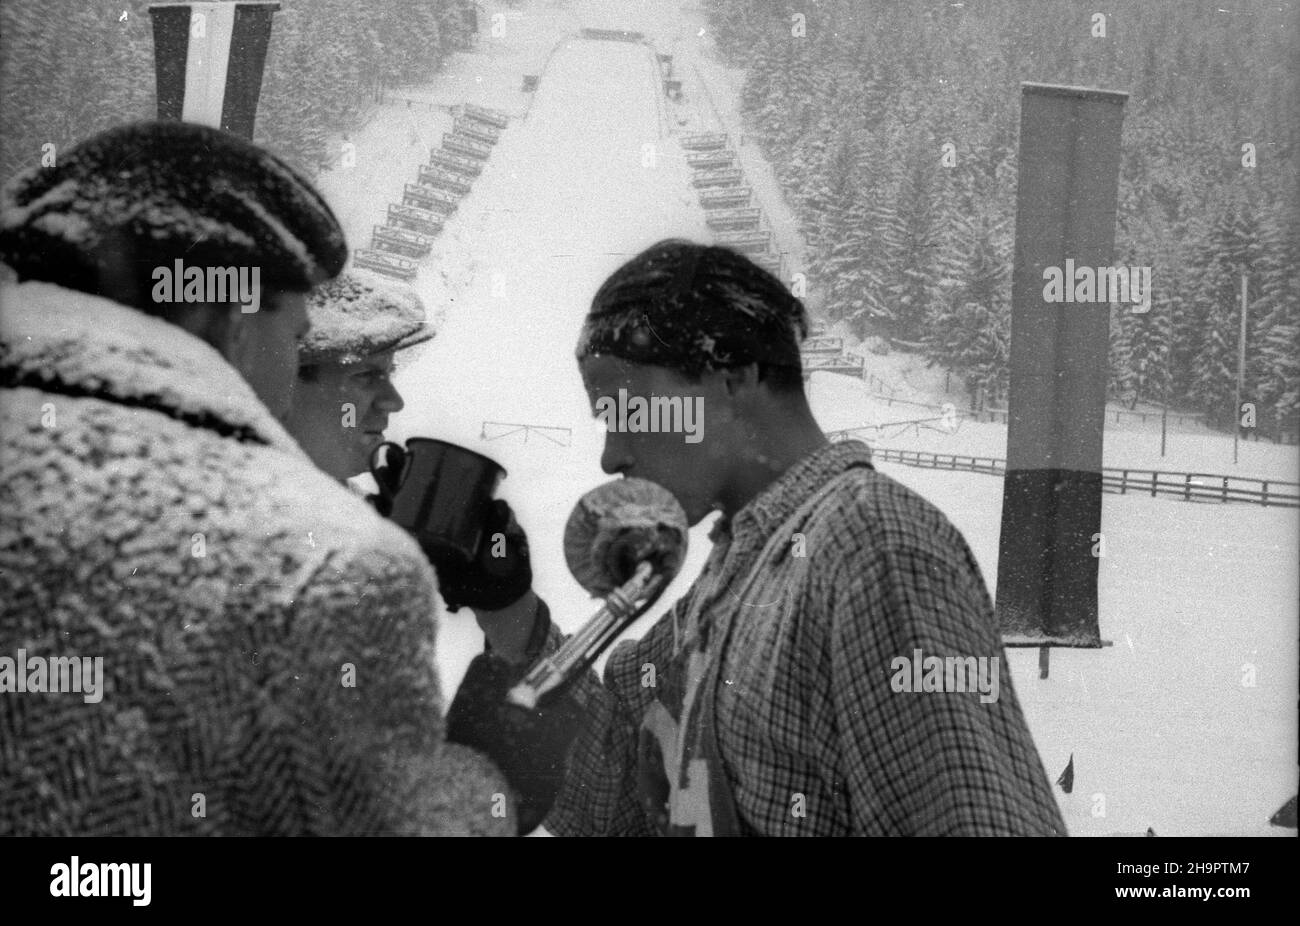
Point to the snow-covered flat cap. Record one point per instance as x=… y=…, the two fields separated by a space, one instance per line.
x=120 y=203
x=357 y=315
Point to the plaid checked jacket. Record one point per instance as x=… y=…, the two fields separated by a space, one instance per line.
x=813 y=589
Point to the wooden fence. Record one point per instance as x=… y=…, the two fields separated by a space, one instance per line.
x=553 y=433
x=1189 y=487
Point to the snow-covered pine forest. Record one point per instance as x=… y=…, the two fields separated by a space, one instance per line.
x=327 y=60
x=854 y=102
x=896 y=249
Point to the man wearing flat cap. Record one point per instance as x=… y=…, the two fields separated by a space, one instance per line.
x=344 y=396
x=200 y=633
x=345 y=393
x=766 y=702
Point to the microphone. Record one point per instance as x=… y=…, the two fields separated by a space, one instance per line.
x=624 y=541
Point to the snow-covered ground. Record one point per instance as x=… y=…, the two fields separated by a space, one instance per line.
x=1186 y=724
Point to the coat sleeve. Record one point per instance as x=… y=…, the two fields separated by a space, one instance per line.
x=351 y=715
x=528 y=746
x=600 y=794
x=928 y=762
x=597 y=796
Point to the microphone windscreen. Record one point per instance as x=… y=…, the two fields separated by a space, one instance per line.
x=619 y=525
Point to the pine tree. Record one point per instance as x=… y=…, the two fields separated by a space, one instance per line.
x=1234 y=250
x=1276 y=367
x=1144 y=357
x=841 y=237
x=980 y=353
x=953 y=236
x=918 y=210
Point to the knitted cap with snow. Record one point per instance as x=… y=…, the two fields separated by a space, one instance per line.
x=694 y=308
x=357 y=315
x=144 y=195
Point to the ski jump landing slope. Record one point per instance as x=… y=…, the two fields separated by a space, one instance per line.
x=569 y=194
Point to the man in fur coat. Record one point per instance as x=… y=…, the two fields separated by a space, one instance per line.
x=200 y=633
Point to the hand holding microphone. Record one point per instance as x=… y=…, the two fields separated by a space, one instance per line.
x=624 y=541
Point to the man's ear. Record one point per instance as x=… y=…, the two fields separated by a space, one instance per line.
x=737 y=380
x=216 y=324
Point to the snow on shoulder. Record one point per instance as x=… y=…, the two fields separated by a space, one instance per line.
x=58 y=335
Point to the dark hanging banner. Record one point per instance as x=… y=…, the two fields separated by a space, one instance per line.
x=209 y=59
x=1065 y=224
x=250 y=35
x=171 y=45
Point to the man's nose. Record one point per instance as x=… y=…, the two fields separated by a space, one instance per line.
x=390 y=400
x=616 y=458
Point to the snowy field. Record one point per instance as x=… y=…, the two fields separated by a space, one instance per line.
x=1199 y=600
x=848 y=402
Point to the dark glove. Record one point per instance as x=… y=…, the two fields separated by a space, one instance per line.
x=501 y=573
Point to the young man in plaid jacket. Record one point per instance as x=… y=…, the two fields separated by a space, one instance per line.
x=770 y=699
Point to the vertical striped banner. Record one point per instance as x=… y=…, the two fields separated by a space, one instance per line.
x=209 y=59
x=206 y=61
